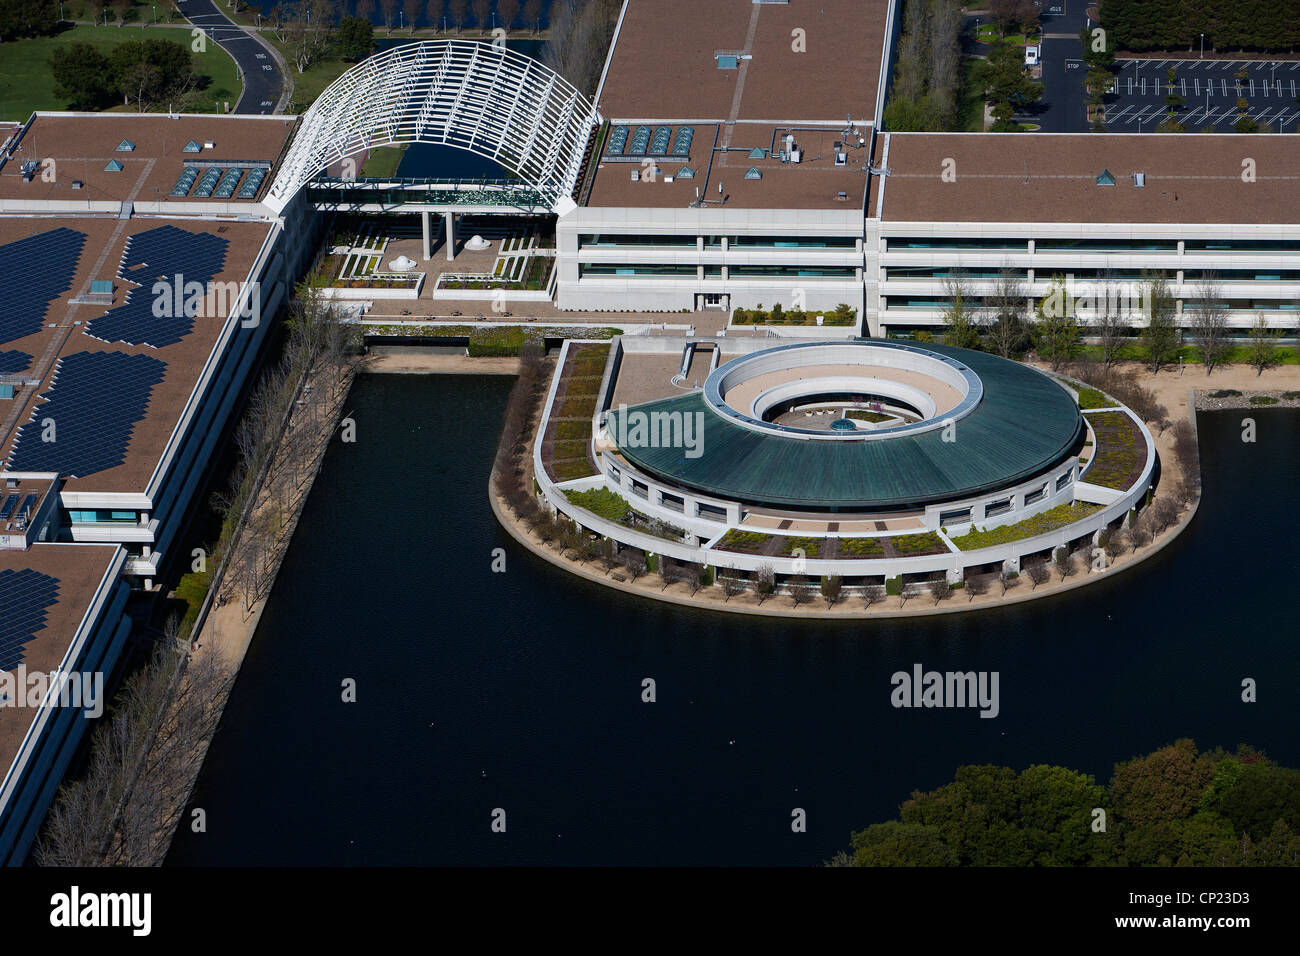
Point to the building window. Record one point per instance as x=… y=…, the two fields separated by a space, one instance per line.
x=954 y=517
x=1000 y=507
x=794 y=242
x=802 y=272
x=635 y=269
x=1038 y=495
x=1065 y=479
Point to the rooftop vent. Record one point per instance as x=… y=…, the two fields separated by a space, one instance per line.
x=1139 y=180
x=1105 y=179
x=29 y=170
x=126 y=146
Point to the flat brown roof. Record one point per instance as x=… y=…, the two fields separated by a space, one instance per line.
x=79 y=568
x=663 y=65
x=185 y=359
x=814 y=183
x=1043 y=177
x=82 y=144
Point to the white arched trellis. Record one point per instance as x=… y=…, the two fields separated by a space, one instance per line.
x=481 y=97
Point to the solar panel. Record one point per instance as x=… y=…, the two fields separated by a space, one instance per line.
x=7 y=509
x=159 y=254
x=94 y=402
x=12 y=362
x=25 y=596
x=33 y=273
x=28 y=504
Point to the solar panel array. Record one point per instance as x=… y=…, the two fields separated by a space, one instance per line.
x=13 y=361
x=25 y=597
x=7 y=508
x=33 y=273
x=94 y=402
x=162 y=253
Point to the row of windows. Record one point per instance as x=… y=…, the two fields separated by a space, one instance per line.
x=1114 y=275
x=606 y=240
x=900 y=243
x=976 y=301
x=715 y=272
x=103 y=516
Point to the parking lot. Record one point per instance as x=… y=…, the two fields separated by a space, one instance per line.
x=1210 y=89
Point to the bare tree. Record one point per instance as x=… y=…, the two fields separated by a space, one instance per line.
x=433 y=12
x=1063 y=560
x=1114 y=543
x=1037 y=573
x=482 y=9
x=871 y=594
x=693 y=575
x=457 y=9
x=976 y=586
x=533 y=13
x=1210 y=322
x=940 y=587
x=669 y=573
x=1004 y=576
x=799 y=589
x=1007 y=332
x=507 y=10
x=764 y=582
x=412 y=8
x=831 y=587
x=731 y=586
x=1139 y=531
x=635 y=562
x=1109 y=324
x=388 y=9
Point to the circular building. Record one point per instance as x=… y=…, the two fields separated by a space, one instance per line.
x=872 y=460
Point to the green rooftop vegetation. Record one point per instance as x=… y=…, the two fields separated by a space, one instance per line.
x=1044 y=522
x=1120 y=454
x=747 y=541
x=811 y=546
x=604 y=503
x=842 y=315
x=861 y=548
x=926 y=543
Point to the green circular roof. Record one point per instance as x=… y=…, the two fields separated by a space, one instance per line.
x=1024 y=424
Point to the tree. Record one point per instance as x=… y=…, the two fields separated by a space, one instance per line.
x=27 y=18
x=635 y=562
x=1114 y=543
x=1006 y=83
x=354 y=39
x=940 y=587
x=1262 y=350
x=871 y=594
x=533 y=13
x=80 y=73
x=799 y=589
x=1004 y=576
x=411 y=9
x=1007 y=334
x=976 y=586
x=148 y=71
x=1063 y=560
x=507 y=10
x=960 y=321
x=609 y=554
x=457 y=10
x=433 y=11
x=1109 y=325
x=1037 y=573
x=1161 y=334
x=388 y=10
x=764 y=581
x=482 y=10
x=1210 y=323
x=832 y=586
x=1057 y=334
x=731 y=586
x=120 y=9
x=693 y=575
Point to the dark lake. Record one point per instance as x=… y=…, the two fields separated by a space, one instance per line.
x=522 y=690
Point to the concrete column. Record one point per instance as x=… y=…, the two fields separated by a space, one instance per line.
x=449 y=220
x=427 y=249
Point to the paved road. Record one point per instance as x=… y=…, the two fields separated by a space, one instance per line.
x=1209 y=89
x=264 y=85
x=1063 y=108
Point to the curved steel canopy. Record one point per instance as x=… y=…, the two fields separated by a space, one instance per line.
x=480 y=97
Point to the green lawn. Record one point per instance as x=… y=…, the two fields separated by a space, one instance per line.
x=26 y=84
x=970 y=98
x=382 y=161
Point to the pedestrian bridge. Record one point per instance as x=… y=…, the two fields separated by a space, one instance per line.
x=480 y=97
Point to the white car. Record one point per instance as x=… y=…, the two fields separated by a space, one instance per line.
x=1031 y=56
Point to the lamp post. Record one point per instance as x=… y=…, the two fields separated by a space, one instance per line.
x=1202 y=46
